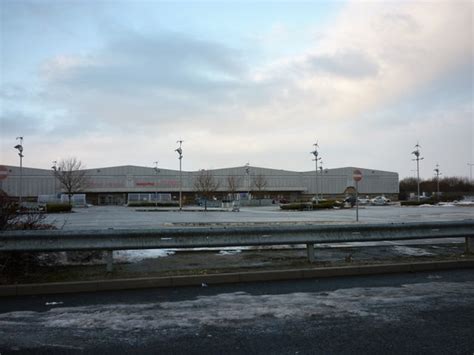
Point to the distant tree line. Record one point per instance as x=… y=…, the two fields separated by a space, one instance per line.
x=451 y=188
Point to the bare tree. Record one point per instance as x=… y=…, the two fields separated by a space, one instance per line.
x=233 y=183
x=8 y=211
x=205 y=184
x=260 y=182
x=71 y=175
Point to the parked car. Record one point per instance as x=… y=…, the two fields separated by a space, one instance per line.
x=351 y=200
x=363 y=201
x=379 y=201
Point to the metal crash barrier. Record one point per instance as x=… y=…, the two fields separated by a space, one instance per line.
x=199 y=237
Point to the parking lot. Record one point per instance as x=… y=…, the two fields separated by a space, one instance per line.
x=118 y=217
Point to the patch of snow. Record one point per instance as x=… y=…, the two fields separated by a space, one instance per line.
x=426 y=205
x=230 y=252
x=404 y=250
x=132 y=256
x=465 y=203
x=386 y=304
x=218 y=248
x=446 y=204
x=52 y=303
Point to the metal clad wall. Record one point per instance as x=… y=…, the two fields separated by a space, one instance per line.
x=144 y=179
x=34 y=182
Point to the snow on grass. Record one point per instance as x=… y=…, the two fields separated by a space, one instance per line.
x=387 y=304
x=446 y=204
x=230 y=252
x=404 y=250
x=465 y=203
x=133 y=256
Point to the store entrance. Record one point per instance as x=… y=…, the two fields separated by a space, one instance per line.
x=111 y=199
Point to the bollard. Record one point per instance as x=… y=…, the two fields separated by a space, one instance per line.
x=310 y=249
x=469 y=245
x=110 y=260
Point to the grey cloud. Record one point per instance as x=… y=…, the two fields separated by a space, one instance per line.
x=170 y=60
x=48 y=123
x=351 y=64
x=157 y=80
x=15 y=123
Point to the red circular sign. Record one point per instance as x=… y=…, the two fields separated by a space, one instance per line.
x=357 y=175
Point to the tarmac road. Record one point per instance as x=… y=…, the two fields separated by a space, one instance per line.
x=117 y=217
x=422 y=313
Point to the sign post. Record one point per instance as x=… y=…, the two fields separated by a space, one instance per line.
x=357 y=176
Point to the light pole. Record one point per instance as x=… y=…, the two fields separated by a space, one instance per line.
x=156 y=182
x=470 y=171
x=321 y=179
x=19 y=147
x=179 y=150
x=315 y=153
x=247 y=172
x=436 y=170
x=416 y=153
x=55 y=169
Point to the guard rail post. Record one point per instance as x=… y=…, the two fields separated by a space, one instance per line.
x=110 y=260
x=310 y=250
x=470 y=245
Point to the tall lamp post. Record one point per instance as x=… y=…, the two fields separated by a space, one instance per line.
x=179 y=150
x=315 y=153
x=436 y=170
x=416 y=153
x=247 y=172
x=19 y=147
x=470 y=170
x=55 y=169
x=321 y=179
x=156 y=182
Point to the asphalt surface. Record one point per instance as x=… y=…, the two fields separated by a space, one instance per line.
x=422 y=313
x=117 y=217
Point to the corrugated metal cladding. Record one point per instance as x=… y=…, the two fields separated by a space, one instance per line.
x=132 y=179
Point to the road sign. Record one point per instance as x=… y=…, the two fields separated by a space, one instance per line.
x=357 y=175
x=3 y=172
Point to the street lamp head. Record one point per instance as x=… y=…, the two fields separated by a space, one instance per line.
x=19 y=147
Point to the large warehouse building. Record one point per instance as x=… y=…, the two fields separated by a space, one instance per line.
x=121 y=184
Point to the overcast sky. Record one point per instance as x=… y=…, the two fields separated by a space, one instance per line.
x=119 y=82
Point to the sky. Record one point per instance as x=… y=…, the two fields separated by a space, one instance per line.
x=120 y=82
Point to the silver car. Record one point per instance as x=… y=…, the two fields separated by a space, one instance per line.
x=379 y=201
